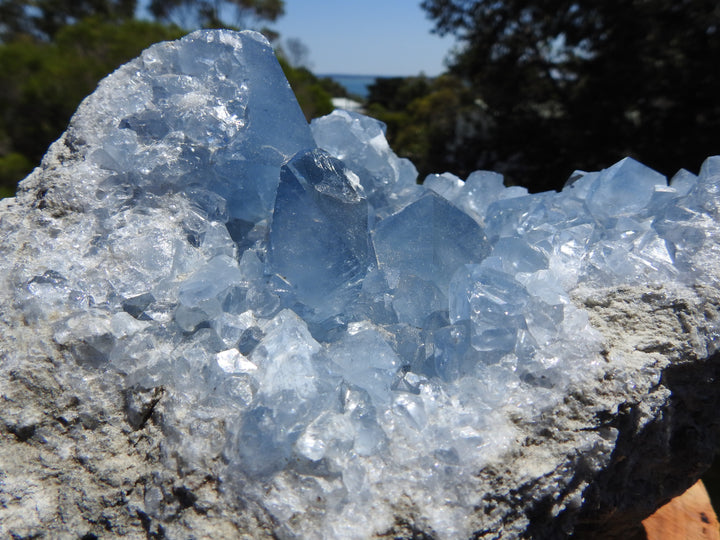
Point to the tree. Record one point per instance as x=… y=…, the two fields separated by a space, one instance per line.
x=42 y=83
x=428 y=120
x=44 y=18
x=297 y=53
x=216 y=13
x=581 y=84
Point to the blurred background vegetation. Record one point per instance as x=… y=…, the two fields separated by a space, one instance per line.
x=54 y=52
x=539 y=88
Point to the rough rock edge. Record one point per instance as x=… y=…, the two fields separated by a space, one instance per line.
x=657 y=404
x=73 y=465
x=48 y=187
x=90 y=465
x=664 y=445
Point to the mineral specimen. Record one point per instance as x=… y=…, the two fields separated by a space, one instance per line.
x=348 y=350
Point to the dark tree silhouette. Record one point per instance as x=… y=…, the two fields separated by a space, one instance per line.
x=44 y=18
x=216 y=13
x=572 y=84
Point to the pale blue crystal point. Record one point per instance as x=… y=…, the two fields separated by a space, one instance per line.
x=319 y=233
x=429 y=239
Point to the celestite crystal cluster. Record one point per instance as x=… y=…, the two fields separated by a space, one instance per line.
x=362 y=336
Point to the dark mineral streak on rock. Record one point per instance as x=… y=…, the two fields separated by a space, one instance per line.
x=654 y=461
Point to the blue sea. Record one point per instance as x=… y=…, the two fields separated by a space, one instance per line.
x=356 y=85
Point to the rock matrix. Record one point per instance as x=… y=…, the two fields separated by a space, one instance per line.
x=220 y=321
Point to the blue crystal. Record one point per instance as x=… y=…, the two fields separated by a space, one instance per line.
x=357 y=334
x=623 y=189
x=220 y=114
x=449 y=354
x=516 y=255
x=319 y=233
x=429 y=239
x=136 y=305
x=360 y=142
x=494 y=303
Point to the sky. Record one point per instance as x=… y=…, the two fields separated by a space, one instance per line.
x=365 y=37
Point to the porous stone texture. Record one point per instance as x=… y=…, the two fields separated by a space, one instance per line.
x=83 y=458
x=217 y=321
x=669 y=425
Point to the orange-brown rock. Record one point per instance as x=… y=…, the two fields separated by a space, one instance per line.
x=687 y=517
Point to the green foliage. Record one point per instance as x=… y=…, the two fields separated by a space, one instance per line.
x=427 y=119
x=580 y=85
x=44 y=18
x=311 y=92
x=42 y=83
x=216 y=13
x=332 y=87
x=395 y=93
x=12 y=167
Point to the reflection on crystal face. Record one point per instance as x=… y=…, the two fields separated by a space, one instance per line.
x=428 y=239
x=319 y=232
